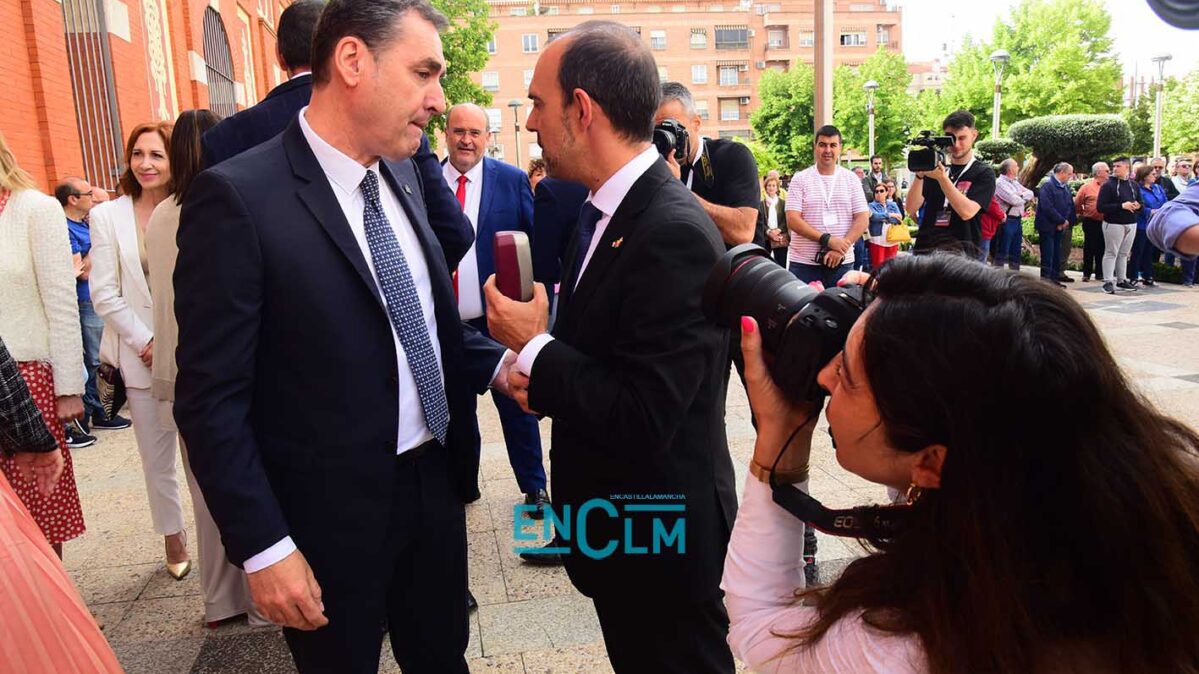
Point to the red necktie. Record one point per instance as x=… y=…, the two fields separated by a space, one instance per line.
x=461 y=194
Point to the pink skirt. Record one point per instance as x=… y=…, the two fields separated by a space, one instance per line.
x=44 y=625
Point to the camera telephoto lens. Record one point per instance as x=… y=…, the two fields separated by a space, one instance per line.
x=801 y=329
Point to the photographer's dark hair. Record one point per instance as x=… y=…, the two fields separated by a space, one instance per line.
x=958 y=119
x=827 y=131
x=297 y=24
x=626 y=87
x=375 y=22
x=186 y=155
x=1064 y=539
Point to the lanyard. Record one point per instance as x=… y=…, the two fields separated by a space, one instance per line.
x=959 y=178
x=827 y=193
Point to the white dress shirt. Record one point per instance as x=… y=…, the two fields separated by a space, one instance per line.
x=607 y=199
x=345 y=176
x=470 y=294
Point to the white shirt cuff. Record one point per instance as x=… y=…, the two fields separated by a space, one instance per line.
x=524 y=362
x=270 y=556
x=499 y=366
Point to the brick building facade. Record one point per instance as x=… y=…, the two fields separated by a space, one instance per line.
x=717 y=48
x=79 y=74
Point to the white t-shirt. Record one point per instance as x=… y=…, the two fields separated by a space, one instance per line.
x=827 y=203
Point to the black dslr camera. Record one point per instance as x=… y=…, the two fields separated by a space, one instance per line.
x=801 y=328
x=671 y=136
x=927 y=151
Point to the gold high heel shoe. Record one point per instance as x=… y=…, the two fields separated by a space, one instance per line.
x=179 y=570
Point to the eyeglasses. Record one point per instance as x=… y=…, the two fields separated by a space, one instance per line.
x=880 y=191
x=84 y=194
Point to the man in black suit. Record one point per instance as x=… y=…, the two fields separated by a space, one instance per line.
x=259 y=123
x=631 y=373
x=309 y=279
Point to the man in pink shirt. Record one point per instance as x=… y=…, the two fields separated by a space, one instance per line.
x=826 y=212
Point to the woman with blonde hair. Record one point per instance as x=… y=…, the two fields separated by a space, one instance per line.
x=39 y=321
x=121 y=294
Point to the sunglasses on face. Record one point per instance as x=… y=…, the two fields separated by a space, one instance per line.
x=880 y=191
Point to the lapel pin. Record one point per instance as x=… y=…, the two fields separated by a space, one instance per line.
x=407 y=190
x=616 y=243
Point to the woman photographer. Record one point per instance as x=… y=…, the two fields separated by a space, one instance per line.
x=1065 y=542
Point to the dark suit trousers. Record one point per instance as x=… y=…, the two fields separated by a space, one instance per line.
x=521 y=435
x=666 y=637
x=420 y=598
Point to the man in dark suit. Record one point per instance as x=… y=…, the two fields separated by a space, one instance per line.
x=495 y=197
x=631 y=374
x=259 y=123
x=556 y=205
x=309 y=279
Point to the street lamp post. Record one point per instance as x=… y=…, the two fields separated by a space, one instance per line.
x=1160 y=60
x=515 y=104
x=999 y=59
x=870 y=86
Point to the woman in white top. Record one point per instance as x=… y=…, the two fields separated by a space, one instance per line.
x=1062 y=542
x=39 y=321
x=121 y=295
x=772 y=219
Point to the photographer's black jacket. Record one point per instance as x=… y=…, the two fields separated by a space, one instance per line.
x=731 y=179
x=1112 y=194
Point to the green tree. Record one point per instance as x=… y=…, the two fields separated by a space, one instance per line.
x=1077 y=139
x=995 y=150
x=893 y=105
x=1140 y=121
x=1180 y=115
x=464 y=44
x=783 y=121
x=763 y=157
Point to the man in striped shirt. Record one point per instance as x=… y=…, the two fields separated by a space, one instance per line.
x=826 y=212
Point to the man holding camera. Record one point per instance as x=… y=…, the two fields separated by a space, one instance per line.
x=955 y=197
x=827 y=213
x=721 y=173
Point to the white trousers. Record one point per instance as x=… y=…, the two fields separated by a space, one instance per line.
x=1117 y=242
x=156 y=445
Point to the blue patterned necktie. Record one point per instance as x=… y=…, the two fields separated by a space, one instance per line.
x=589 y=217
x=404 y=309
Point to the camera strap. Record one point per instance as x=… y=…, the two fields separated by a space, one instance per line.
x=870 y=523
x=959 y=178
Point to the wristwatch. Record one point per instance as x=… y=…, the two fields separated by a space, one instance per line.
x=824 y=239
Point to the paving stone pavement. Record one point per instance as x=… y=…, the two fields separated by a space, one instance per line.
x=530 y=619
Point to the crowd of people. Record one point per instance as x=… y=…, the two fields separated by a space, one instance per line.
x=298 y=304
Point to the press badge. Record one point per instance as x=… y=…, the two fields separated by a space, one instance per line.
x=830 y=221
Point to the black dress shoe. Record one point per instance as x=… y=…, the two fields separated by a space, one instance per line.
x=538 y=498
x=544 y=558
x=471 y=603
x=1064 y=279
x=473 y=496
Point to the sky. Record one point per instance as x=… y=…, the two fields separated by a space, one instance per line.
x=1138 y=33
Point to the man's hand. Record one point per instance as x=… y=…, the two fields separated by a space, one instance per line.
x=147 y=353
x=839 y=244
x=673 y=165
x=938 y=174
x=832 y=259
x=501 y=378
x=287 y=594
x=44 y=468
x=513 y=323
x=1129 y=205
x=518 y=383
x=69 y=408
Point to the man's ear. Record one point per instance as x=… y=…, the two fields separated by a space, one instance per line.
x=926 y=471
x=585 y=107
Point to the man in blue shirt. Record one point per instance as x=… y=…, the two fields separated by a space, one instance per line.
x=76 y=197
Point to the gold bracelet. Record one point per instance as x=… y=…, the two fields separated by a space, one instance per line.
x=793 y=476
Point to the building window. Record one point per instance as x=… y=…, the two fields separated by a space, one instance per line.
x=701 y=109
x=528 y=77
x=654 y=9
x=734 y=133
x=730 y=110
x=853 y=39
x=266 y=9
x=699 y=38
x=218 y=61
x=90 y=64
x=861 y=7
x=776 y=38
x=615 y=9
x=491 y=80
x=494 y=119
x=699 y=74
x=491 y=45
x=529 y=43
x=883 y=35
x=715 y=8
x=553 y=33
x=657 y=39
x=518 y=11
x=780 y=66
x=497 y=149
x=732 y=37
x=662 y=77
x=549 y=11
x=807 y=38
x=728 y=76
x=678 y=9
x=586 y=10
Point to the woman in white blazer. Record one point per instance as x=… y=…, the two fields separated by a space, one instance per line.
x=121 y=295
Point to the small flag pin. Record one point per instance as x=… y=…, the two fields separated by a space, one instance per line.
x=407 y=190
x=616 y=243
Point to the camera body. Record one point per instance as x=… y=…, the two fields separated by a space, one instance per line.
x=671 y=136
x=927 y=151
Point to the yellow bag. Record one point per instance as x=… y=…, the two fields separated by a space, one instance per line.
x=898 y=234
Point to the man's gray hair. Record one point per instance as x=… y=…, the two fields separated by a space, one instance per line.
x=1099 y=165
x=1007 y=165
x=675 y=91
x=1062 y=166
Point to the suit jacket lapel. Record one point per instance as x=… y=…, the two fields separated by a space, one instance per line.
x=318 y=196
x=484 y=227
x=126 y=231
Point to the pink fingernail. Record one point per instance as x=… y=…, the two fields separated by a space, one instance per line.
x=747 y=324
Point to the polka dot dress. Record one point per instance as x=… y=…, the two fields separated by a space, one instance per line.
x=59 y=516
